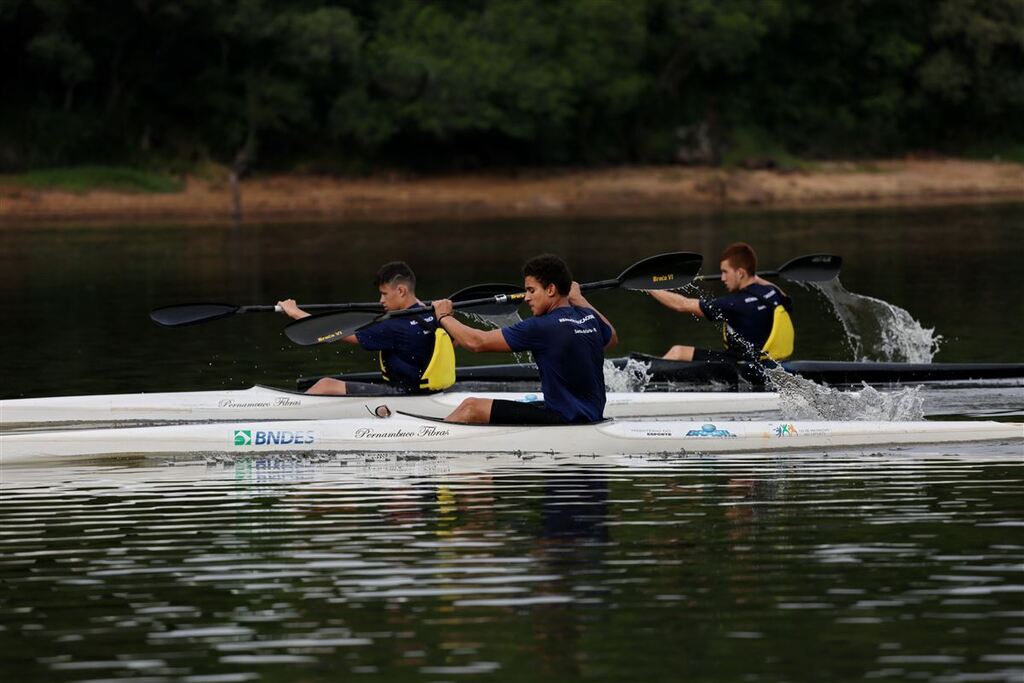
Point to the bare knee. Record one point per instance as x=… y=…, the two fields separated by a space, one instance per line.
x=679 y=352
x=328 y=386
x=474 y=410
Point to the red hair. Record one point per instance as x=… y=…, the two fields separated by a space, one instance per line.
x=741 y=255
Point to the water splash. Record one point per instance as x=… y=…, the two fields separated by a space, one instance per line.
x=802 y=399
x=878 y=330
x=633 y=376
x=497 y=321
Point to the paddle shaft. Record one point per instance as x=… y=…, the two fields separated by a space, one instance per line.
x=810 y=268
x=498 y=299
x=664 y=271
x=311 y=307
x=190 y=314
x=760 y=273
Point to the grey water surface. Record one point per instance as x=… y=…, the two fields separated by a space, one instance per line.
x=76 y=299
x=878 y=564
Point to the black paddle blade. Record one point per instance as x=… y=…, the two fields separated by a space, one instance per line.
x=328 y=327
x=664 y=271
x=812 y=268
x=190 y=314
x=487 y=290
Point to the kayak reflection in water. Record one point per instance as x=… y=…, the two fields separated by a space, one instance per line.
x=415 y=355
x=567 y=337
x=754 y=314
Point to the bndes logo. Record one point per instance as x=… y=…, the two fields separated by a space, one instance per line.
x=281 y=437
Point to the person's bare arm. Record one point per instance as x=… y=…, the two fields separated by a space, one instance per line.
x=465 y=336
x=576 y=298
x=677 y=302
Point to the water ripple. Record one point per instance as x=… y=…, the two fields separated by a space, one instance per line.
x=904 y=560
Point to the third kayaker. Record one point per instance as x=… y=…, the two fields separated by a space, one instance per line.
x=567 y=337
x=754 y=314
x=415 y=355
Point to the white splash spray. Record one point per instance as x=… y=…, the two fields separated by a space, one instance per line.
x=634 y=376
x=802 y=399
x=497 y=321
x=878 y=330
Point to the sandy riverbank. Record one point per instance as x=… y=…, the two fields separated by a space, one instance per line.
x=663 y=190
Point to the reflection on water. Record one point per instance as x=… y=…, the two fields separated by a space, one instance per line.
x=896 y=565
x=517 y=569
x=78 y=298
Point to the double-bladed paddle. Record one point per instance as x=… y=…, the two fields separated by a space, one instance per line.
x=810 y=268
x=180 y=315
x=664 y=271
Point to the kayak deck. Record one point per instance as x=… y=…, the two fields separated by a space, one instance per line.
x=267 y=403
x=407 y=434
x=661 y=371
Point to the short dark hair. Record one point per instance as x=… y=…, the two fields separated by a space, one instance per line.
x=548 y=269
x=396 y=273
x=741 y=255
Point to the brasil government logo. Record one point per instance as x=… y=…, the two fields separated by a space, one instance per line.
x=788 y=429
x=709 y=430
x=243 y=437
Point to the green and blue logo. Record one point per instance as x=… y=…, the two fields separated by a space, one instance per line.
x=272 y=437
x=709 y=430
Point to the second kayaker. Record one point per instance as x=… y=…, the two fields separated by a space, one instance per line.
x=416 y=356
x=754 y=314
x=567 y=337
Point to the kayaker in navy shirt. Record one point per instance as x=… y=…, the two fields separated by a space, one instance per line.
x=748 y=313
x=567 y=337
x=406 y=344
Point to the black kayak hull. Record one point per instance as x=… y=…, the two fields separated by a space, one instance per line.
x=663 y=371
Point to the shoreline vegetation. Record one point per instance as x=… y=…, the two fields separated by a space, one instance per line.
x=112 y=195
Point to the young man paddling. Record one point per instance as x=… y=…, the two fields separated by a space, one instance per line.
x=415 y=355
x=754 y=315
x=567 y=337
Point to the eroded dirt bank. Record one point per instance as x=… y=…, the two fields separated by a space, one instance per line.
x=625 y=191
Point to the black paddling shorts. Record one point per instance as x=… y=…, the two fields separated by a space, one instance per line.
x=713 y=356
x=371 y=389
x=522 y=413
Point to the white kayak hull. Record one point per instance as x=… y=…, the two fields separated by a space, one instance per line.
x=406 y=434
x=266 y=403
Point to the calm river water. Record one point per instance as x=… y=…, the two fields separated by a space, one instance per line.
x=891 y=564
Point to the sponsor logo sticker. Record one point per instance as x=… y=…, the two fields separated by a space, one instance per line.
x=788 y=429
x=272 y=437
x=709 y=430
x=399 y=433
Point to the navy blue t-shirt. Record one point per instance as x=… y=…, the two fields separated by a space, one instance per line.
x=568 y=347
x=748 y=315
x=406 y=345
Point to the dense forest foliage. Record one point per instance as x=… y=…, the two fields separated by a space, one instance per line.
x=357 y=85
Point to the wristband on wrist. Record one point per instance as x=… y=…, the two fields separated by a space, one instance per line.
x=442 y=317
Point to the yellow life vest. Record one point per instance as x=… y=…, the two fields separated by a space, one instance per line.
x=779 y=345
x=440 y=371
x=780 y=342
